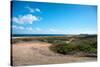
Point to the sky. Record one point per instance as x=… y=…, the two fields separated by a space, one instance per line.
x=53 y=18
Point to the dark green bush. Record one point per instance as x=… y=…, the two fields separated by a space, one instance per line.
x=63 y=48
x=84 y=48
x=73 y=48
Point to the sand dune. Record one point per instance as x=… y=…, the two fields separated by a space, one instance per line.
x=36 y=53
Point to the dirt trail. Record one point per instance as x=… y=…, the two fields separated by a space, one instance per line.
x=36 y=53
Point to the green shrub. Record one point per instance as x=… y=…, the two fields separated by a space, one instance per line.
x=84 y=48
x=93 y=50
x=63 y=48
x=73 y=48
x=94 y=45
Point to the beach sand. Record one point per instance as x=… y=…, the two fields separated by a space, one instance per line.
x=36 y=53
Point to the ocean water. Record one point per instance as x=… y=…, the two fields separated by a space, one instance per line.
x=29 y=35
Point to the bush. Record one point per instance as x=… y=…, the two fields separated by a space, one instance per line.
x=84 y=48
x=63 y=48
x=94 y=45
x=73 y=48
x=88 y=47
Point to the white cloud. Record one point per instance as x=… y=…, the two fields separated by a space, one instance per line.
x=15 y=19
x=17 y=27
x=30 y=29
x=52 y=30
x=38 y=29
x=38 y=10
x=21 y=27
x=14 y=27
x=56 y=31
x=32 y=10
x=29 y=18
x=35 y=29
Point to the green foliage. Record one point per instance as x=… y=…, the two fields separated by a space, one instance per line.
x=60 y=48
x=84 y=48
x=64 y=48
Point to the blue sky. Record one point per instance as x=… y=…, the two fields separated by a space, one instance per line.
x=53 y=18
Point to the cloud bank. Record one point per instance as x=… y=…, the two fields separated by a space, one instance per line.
x=28 y=18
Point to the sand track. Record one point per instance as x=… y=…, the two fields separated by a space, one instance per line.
x=36 y=53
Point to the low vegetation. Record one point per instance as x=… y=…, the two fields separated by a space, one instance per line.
x=86 y=45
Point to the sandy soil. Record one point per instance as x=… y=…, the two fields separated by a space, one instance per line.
x=36 y=53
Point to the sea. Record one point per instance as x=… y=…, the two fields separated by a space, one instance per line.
x=29 y=35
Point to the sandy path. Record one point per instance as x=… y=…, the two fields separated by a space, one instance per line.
x=35 y=53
